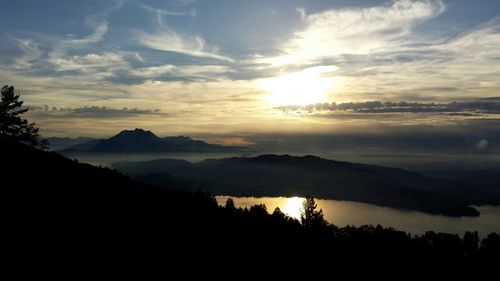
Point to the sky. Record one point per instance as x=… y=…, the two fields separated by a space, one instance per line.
x=235 y=71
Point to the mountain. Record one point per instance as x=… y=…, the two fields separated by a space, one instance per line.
x=139 y=140
x=57 y=143
x=274 y=175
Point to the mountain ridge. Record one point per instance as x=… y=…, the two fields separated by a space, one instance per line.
x=285 y=175
x=140 y=140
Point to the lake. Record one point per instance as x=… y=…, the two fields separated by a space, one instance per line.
x=342 y=213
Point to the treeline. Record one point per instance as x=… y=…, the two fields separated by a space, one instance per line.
x=372 y=241
x=59 y=211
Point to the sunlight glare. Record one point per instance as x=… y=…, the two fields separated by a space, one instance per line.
x=299 y=88
x=293 y=207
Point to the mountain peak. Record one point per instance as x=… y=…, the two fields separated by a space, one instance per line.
x=139 y=140
x=137 y=132
x=132 y=140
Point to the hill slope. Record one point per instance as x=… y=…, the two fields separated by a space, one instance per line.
x=59 y=213
x=273 y=175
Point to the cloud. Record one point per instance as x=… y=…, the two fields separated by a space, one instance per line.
x=50 y=56
x=355 y=30
x=31 y=53
x=161 y=12
x=72 y=53
x=90 y=112
x=301 y=12
x=171 y=41
x=434 y=67
x=90 y=62
x=94 y=65
x=166 y=39
x=63 y=46
x=203 y=71
x=485 y=106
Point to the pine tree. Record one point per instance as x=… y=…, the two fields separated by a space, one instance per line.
x=14 y=128
x=309 y=217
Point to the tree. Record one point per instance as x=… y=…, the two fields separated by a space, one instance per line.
x=490 y=246
x=471 y=243
x=309 y=217
x=230 y=204
x=14 y=128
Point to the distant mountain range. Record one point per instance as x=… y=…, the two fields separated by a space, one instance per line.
x=136 y=141
x=274 y=175
x=57 y=143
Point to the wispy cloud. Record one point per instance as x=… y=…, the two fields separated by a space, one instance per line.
x=206 y=71
x=90 y=62
x=72 y=54
x=171 y=41
x=167 y=39
x=31 y=53
x=162 y=12
x=62 y=55
x=354 y=30
x=467 y=62
x=62 y=47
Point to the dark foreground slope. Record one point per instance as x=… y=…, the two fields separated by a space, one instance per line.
x=61 y=215
x=275 y=175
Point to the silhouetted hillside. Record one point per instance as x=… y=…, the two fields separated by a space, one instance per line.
x=66 y=214
x=272 y=175
x=138 y=140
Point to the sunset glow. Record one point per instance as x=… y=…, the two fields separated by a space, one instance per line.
x=301 y=88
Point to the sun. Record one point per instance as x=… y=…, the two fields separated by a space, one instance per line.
x=299 y=88
x=293 y=207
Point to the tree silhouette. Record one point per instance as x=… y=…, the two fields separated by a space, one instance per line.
x=309 y=217
x=230 y=204
x=14 y=128
x=471 y=243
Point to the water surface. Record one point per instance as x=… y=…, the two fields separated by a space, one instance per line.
x=342 y=213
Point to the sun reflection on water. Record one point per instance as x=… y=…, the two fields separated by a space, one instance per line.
x=342 y=213
x=293 y=206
